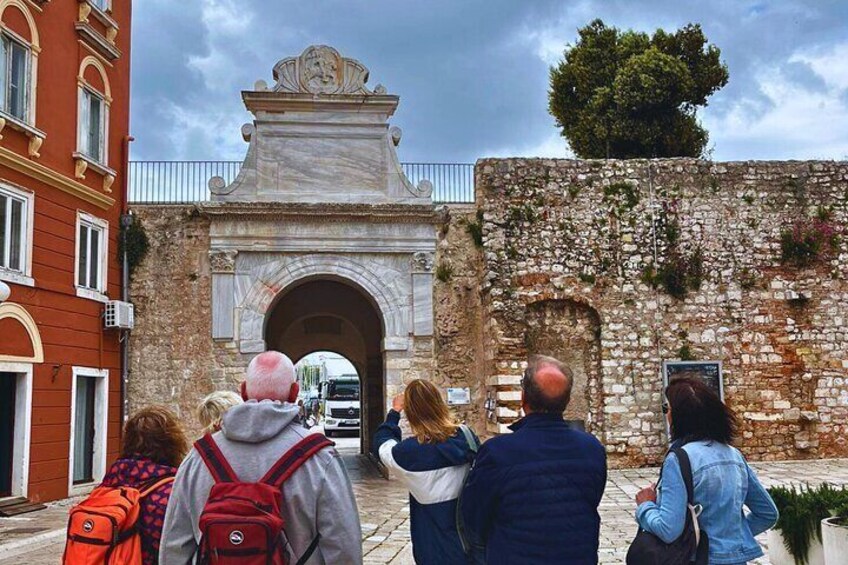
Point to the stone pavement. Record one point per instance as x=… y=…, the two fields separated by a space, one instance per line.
x=384 y=511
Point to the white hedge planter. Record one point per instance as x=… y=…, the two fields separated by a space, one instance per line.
x=779 y=555
x=835 y=541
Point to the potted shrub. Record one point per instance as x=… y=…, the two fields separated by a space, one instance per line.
x=835 y=535
x=797 y=537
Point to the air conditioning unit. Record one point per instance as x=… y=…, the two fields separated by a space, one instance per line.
x=119 y=315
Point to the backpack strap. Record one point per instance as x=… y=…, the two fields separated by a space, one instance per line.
x=294 y=458
x=469 y=437
x=217 y=464
x=161 y=482
x=686 y=471
x=309 y=551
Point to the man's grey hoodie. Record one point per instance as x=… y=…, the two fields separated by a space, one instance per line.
x=317 y=498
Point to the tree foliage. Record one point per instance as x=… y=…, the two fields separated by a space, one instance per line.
x=624 y=94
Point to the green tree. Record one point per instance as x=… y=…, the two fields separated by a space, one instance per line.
x=624 y=94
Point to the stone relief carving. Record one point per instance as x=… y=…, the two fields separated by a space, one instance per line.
x=221 y=261
x=320 y=69
x=422 y=261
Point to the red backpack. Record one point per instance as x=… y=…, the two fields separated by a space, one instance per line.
x=241 y=522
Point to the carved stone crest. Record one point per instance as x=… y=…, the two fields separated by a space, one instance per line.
x=320 y=69
x=221 y=261
x=422 y=262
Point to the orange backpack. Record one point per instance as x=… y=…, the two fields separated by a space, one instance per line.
x=102 y=528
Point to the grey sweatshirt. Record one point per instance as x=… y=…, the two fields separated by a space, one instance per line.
x=317 y=498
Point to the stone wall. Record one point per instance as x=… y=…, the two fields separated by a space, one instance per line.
x=460 y=340
x=590 y=236
x=171 y=355
x=567 y=266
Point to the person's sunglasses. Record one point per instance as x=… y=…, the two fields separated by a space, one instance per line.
x=665 y=407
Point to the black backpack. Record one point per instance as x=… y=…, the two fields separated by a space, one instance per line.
x=648 y=549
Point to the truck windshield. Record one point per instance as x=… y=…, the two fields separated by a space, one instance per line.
x=343 y=390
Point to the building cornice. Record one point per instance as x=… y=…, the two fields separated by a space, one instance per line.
x=48 y=176
x=329 y=213
x=276 y=102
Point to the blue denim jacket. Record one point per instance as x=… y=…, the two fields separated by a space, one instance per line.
x=723 y=483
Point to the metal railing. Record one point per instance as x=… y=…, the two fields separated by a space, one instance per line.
x=185 y=182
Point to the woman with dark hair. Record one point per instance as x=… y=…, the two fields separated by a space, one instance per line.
x=723 y=482
x=432 y=464
x=152 y=448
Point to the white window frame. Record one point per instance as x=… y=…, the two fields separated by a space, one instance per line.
x=29 y=74
x=101 y=428
x=23 y=276
x=23 y=424
x=82 y=125
x=100 y=292
x=107 y=7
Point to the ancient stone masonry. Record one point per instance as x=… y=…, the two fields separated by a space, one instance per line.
x=619 y=265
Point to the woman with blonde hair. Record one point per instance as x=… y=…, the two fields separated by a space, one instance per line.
x=432 y=464
x=211 y=410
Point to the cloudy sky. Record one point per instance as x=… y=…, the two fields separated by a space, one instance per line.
x=473 y=74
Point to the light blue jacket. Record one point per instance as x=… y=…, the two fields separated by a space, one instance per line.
x=723 y=483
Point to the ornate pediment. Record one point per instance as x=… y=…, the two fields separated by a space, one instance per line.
x=320 y=69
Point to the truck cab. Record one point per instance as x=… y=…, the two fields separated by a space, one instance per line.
x=341 y=404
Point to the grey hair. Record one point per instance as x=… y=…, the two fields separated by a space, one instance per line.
x=535 y=397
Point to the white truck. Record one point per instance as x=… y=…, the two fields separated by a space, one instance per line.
x=341 y=404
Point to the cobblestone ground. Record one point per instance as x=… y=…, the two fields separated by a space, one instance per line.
x=384 y=511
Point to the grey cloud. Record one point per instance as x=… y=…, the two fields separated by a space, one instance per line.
x=469 y=77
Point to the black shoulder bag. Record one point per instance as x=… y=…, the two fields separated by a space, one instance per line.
x=692 y=546
x=474 y=550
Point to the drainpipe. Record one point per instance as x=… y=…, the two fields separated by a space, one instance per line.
x=126 y=220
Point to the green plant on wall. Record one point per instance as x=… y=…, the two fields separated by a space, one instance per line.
x=677 y=274
x=587 y=278
x=524 y=213
x=134 y=239
x=622 y=197
x=475 y=229
x=444 y=272
x=685 y=353
x=748 y=279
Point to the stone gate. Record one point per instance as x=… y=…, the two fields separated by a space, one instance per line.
x=321 y=242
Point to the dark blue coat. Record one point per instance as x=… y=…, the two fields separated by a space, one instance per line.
x=533 y=495
x=433 y=473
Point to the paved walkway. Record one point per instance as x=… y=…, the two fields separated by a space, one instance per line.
x=38 y=538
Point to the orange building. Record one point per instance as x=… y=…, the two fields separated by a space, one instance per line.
x=64 y=120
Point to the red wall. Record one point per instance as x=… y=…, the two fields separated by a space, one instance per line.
x=70 y=327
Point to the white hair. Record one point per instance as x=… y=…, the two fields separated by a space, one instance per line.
x=270 y=376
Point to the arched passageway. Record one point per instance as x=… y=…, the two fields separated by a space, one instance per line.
x=327 y=314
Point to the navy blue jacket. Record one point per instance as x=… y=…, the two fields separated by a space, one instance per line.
x=533 y=495
x=434 y=474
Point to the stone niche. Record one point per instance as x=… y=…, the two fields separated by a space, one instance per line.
x=321 y=198
x=571 y=332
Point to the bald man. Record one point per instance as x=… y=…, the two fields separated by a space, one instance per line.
x=320 y=513
x=532 y=496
